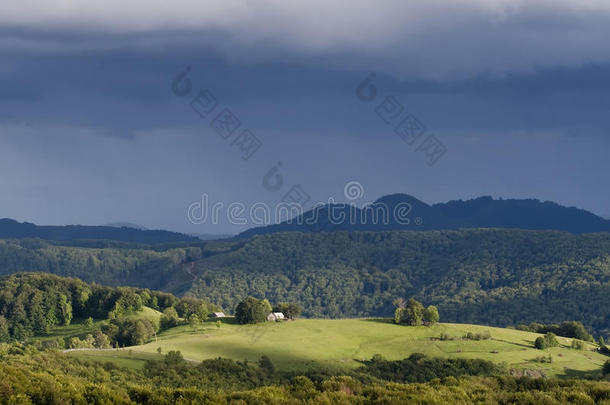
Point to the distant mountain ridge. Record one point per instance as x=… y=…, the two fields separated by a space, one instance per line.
x=127 y=225
x=211 y=236
x=405 y=212
x=402 y=212
x=10 y=229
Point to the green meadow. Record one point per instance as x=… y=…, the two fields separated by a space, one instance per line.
x=344 y=343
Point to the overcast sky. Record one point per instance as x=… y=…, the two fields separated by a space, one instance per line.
x=91 y=131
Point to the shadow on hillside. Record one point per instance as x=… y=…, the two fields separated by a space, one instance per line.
x=283 y=358
x=229 y=320
x=380 y=320
x=579 y=374
x=527 y=346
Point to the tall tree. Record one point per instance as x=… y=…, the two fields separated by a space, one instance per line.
x=250 y=310
x=431 y=315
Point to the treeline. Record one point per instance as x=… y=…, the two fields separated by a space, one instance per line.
x=569 y=329
x=235 y=375
x=420 y=368
x=105 y=262
x=31 y=304
x=485 y=276
x=172 y=380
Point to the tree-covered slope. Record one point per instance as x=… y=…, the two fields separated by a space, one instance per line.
x=35 y=304
x=31 y=304
x=140 y=266
x=489 y=276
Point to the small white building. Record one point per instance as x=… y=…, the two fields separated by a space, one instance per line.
x=275 y=316
x=218 y=315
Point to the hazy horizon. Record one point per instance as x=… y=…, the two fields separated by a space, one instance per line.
x=241 y=228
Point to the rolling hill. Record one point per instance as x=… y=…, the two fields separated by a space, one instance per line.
x=11 y=229
x=405 y=212
x=497 y=277
x=65 y=341
x=107 y=262
x=487 y=276
x=309 y=344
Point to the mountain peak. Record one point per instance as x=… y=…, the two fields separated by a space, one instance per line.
x=481 y=212
x=397 y=198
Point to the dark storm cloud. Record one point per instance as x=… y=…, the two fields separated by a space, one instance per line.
x=516 y=91
x=124 y=89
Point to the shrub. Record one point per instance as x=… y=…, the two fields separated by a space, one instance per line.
x=303 y=388
x=544 y=359
x=130 y=332
x=101 y=340
x=169 y=318
x=412 y=314
x=546 y=341
x=477 y=336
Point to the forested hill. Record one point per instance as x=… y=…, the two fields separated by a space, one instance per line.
x=32 y=304
x=405 y=212
x=106 y=262
x=488 y=276
x=13 y=229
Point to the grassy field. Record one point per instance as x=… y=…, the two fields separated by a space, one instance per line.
x=313 y=343
x=147 y=313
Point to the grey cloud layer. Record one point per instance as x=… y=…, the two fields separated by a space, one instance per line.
x=432 y=39
x=122 y=91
